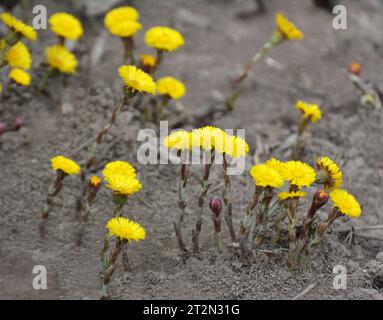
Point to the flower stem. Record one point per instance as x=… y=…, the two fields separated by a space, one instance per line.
x=236 y=85
x=262 y=215
x=53 y=190
x=201 y=198
x=178 y=224
x=227 y=199
x=246 y=221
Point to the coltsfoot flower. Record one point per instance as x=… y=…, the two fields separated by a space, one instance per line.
x=122 y=22
x=287 y=29
x=310 y=111
x=299 y=174
x=123 y=185
x=207 y=138
x=19 y=27
x=329 y=174
x=64 y=164
x=18 y=56
x=164 y=38
x=61 y=59
x=275 y=164
x=171 y=87
x=345 y=203
x=125 y=229
x=118 y=168
x=66 y=25
x=137 y=80
x=20 y=77
x=234 y=146
x=291 y=195
x=264 y=176
x=179 y=140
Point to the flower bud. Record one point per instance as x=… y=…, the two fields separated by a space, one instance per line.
x=18 y=123
x=354 y=68
x=320 y=198
x=94 y=185
x=3 y=128
x=215 y=206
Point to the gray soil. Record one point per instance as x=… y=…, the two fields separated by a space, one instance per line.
x=217 y=44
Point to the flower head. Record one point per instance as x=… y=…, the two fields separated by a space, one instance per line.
x=122 y=22
x=355 y=68
x=329 y=174
x=234 y=146
x=264 y=176
x=125 y=229
x=137 y=80
x=178 y=140
x=298 y=173
x=18 y=26
x=310 y=111
x=61 y=59
x=163 y=38
x=123 y=184
x=18 y=56
x=275 y=164
x=287 y=28
x=19 y=76
x=118 y=168
x=207 y=138
x=291 y=195
x=64 y=164
x=346 y=203
x=66 y=25
x=169 y=86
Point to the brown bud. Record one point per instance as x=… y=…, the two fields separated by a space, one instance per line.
x=354 y=68
x=216 y=206
x=320 y=199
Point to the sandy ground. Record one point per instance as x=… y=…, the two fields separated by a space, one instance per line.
x=217 y=44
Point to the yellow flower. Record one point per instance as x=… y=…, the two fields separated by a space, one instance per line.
x=275 y=164
x=178 y=140
x=125 y=229
x=66 y=25
x=64 y=164
x=95 y=181
x=18 y=56
x=137 y=80
x=20 y=77
x=118 y=168
x=345 y=203
x=264 y=176
x=61 y=59
x=125 y=29
x=169 y=86
x=207 y=137
x=310 y=111
x=329 y=174
x=287 y=28
x=163 y=38
x=123 y=184
x=122 y=22
x=148 y=60
x=298 y=173
x=291 y=195
x=234 y=146
x=19 y=27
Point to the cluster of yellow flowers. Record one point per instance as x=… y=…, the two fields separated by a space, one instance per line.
x=208 y=138
x=13 y=52
x=274 y=173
